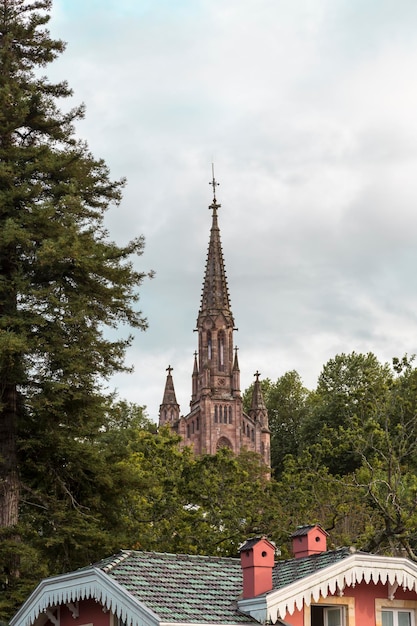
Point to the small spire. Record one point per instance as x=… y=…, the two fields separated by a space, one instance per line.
x=169 y=393
x=236 y=362
x=169 y=410
x=195 y=370
x=257 y=396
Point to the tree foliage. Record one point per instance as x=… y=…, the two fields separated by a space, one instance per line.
x=63 y=282
x=287 y=402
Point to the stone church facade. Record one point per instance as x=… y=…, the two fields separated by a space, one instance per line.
x=216 y=418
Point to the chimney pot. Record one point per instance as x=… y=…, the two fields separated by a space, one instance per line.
x=308 y=540
x=257 y=557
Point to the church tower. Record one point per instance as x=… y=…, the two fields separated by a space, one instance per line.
x=216 y=418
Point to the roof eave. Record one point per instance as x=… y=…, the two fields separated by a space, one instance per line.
x=254 y=607
x=219 y=623
x=80 y=585
x=354 y=569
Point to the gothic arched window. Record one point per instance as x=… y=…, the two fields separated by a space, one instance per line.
x=224 y=442
x=220 y=341
x=209 y=347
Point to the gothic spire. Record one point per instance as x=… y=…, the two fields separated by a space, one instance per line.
x=215 y=295
x=235 y=361
x=169 y=410
x=258 y=410
x=169 y=393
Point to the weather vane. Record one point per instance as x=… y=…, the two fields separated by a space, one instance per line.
x=214 y=183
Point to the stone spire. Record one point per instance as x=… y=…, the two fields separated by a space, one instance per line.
x=195 y=379
x=215 y=295
x=259 y=414
x=169 y=410
x=258 y=410
x=236 y=375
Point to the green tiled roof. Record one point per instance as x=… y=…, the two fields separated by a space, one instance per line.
x=181 y=588
x=202 y=589
x=287 y=572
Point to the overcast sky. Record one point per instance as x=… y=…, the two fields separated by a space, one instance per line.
x=309 y=110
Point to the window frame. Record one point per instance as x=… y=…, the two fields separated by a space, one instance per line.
x=346 y=603
x=395 y=605
x=396 y=610
x=332 y=607
x=342 y=614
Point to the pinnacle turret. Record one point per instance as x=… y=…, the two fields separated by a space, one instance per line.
x=169 y=410
x=258 y=410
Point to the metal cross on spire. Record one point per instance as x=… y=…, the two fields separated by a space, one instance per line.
x=215 y=184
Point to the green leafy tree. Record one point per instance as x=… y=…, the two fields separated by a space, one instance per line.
x=387 y=445
x=287 y=401
x=165 y=499
x=351 y=388
x=62 y=282
x=141 y=504
x=232 y=500
x=312 y=494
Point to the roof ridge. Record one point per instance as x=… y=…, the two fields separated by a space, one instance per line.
x=184 y=555
x=347 y=549
x=118 y=558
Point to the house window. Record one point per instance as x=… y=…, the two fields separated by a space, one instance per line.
x=397 y=617
x=327 y=616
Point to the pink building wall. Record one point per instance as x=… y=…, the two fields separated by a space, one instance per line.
x=364 y=596
x=296 y=619
x=90 y=612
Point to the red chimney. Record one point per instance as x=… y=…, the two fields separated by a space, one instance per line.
x=308 y=540
x=257 y=560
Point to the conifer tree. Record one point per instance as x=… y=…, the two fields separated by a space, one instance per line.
x=62 y=280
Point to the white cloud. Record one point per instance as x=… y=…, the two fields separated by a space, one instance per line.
x=308 y=110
